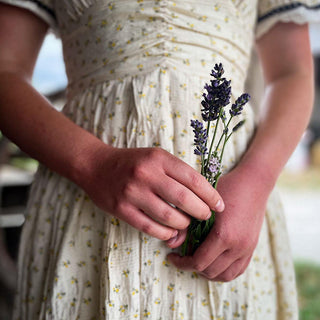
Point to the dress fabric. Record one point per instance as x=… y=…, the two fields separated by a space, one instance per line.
x=136 y=72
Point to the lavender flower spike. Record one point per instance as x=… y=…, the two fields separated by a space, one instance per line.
x=200 y=137
x=237 y=107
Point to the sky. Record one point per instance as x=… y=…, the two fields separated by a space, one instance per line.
x=49 y=74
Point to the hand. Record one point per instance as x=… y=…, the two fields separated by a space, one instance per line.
x=138 y=185
x=226 y=252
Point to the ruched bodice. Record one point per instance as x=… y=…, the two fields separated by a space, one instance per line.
x=107 y=40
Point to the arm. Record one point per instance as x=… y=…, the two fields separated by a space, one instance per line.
x=287 y=64
x=136 y=191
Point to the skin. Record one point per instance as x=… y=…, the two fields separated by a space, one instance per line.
x=153 y=175
x=287 y=104
x=137 y=191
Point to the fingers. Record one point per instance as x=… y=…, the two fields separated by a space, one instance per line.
x=183 y=198
x=162 y=212
x=177 y=241
x=193 y=180
x=143 y=223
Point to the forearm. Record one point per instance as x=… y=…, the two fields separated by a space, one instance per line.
x=287 y=103
x=29 y=120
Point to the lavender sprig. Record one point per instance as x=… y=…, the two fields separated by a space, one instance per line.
x=214 y=101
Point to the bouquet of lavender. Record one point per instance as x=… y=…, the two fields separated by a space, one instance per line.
x=213 y=112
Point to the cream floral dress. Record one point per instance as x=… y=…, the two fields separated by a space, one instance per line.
x=136 y=70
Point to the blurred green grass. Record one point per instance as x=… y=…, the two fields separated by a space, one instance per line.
x=308 y=283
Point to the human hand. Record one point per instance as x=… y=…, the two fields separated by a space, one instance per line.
x=226 y=252
x=137 y=184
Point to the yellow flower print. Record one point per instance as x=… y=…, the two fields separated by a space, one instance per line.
x=119 y=27
x=73 y=302
x=166 y=263
x=125 y=273
x=60 y=295
x=111 y=5
x=157 y=301
x=81 y=263
x=194 y=275
x=186 y=62
x=236 y=315
x=203 y=18
x=183 y=86
x=116 y=288
x=66 y=263
x=89 y=244
x=98 y=40
x=226 y=304
x=128 y=250
x=146 y=313
x=145 y=239
x=156 y=144
x=158 y=104
x=148 y=263
x=104 y=23
x=143 y=286
x=170 y=287
x=156 y=252
x=111 y=45
x=203 y=63
x=135 y=315
x=190 y=295
x=141 y=94
x=204 y=302
x=74 y=280
x=115 y=246
x=115 y=221
x=87 y=301
x=123 y=308
x=152 y=85
x=134 y=291
x=217 y=7
x=181 y=154
x=156 y=280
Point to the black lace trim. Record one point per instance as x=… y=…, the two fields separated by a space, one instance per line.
x=45 y=8
x=285 y=8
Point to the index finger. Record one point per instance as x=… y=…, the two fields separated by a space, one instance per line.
x=196 y=182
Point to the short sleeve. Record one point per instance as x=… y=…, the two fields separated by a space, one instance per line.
x=272 y=11
x=44 y=9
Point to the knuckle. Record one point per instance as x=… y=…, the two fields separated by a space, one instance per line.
x=181 y=197
x=140 y=171
x=120 y=206
x=167 y=215
x=146 y=228
x=128 y=189
x=196 y=180
x=155 y=154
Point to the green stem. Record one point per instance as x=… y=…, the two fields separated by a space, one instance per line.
x=224 y=134
x=213 y=138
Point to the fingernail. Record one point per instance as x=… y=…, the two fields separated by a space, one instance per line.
x=172 y=240
x=209 y=215
x=219 y=206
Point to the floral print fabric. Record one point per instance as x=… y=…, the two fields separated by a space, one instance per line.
x=136 y=71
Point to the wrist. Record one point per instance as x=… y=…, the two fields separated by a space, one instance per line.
x=90 y=154
x=259 y=172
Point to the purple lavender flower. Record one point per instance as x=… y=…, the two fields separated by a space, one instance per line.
x=237 y=107
x=214 y=165
x=200 y=137
x=238 y=125
x=217 y=96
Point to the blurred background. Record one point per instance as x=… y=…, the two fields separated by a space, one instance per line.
x=299 y=184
